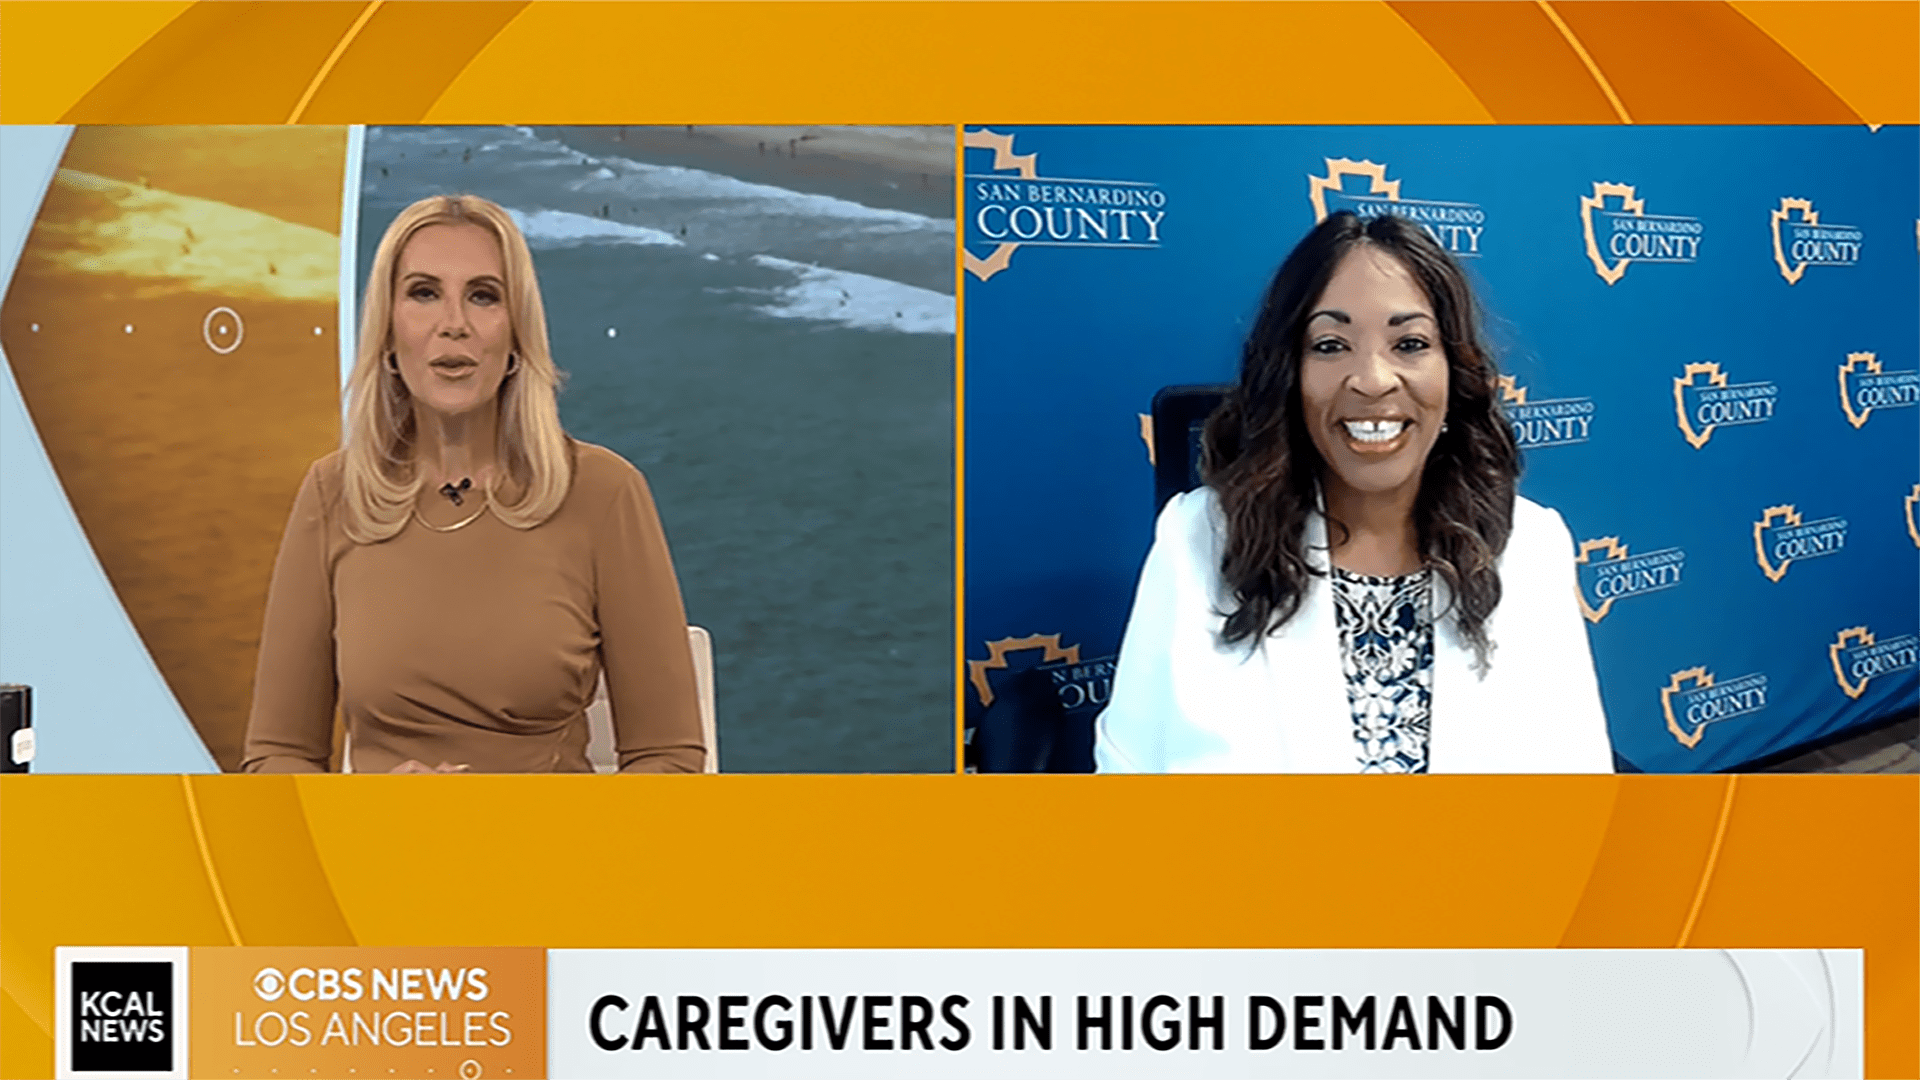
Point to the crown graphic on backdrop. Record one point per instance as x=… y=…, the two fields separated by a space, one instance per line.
x=1618 y=575
x=1023 y=165
x=1692 y=699
x=1547 y=422
x=1456 y=226
x=1810 y=242
x=1782 y=534
x=1613 y=551
x=1865 y=386
x=1702 y=407
x=1858 y=360
x=997 y=659
x=1857 y=657
x=1701 y=679
x=1014 y=206
x=1632 y=234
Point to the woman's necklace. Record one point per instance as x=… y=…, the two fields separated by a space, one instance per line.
x=461 y=524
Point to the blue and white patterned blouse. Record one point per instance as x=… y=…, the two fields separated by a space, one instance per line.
x=1386 y=652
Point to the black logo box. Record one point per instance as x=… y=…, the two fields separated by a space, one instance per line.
x=123 y=1016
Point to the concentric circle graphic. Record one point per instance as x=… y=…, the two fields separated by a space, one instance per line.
x=223 y=330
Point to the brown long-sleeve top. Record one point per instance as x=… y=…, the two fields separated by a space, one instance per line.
x=479 y=647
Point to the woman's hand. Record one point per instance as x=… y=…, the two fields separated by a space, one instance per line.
x=412 y=766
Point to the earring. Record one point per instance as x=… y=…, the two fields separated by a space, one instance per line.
x=1443 y=427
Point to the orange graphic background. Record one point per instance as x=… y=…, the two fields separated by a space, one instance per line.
x=515 y=981
x=1762 y=861
x=185 y=499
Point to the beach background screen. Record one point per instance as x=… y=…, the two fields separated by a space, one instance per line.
x=761 y=320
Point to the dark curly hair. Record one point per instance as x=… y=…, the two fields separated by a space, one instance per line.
x=1259 y=457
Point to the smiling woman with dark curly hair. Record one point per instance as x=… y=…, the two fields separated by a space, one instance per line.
x=1358 y=588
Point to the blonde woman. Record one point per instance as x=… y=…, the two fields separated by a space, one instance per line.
x=457 y=576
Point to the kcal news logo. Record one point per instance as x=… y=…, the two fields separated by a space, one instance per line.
x=1619 y=232
x=1857 y=657
x=1457 y=226
x=121 y=1012
x=1011 y=206
x=1782 y=537
x=1865 y=386
x=1704 y=400
x=1805 y=240
x=1694 y=699
x=1608 y=572
x=1547 y=421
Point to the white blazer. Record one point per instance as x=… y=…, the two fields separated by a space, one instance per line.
x=1183 y=701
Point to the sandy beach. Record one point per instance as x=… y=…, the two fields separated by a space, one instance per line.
x=901 y=168
x=180 y=460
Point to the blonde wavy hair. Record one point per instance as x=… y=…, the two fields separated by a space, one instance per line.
x=380 y=477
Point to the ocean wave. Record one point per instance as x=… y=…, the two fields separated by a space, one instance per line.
x=614 y=177
x=560 y=228
x=856 y=301
x=635 y=180
x=186 y=243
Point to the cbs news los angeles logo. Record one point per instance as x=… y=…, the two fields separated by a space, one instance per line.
x=450 y=1012
x=120 y=1012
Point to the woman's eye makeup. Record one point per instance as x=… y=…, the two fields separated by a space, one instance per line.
x=484 y=296
x=1327 y=345
x=423 y=292
x=1413 y=343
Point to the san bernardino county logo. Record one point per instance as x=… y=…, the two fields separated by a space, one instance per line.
x=1781 y=538
x=1857 y=657
x=1053 y=652
x=1456 y=226
x=1548 y=422
x=1692 y=699
x=1013 y=206
x=1807 y=241
x=1626 y=232
x=1614 y=574
x=1864 y=387
x=1701 y=406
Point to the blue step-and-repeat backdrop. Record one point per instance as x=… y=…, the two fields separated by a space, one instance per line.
x=1708 y=341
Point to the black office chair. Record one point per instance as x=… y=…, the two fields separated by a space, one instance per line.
x=1042 y=716
x=1179 y=415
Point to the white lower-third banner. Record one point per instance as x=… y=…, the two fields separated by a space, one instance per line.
x=1204 y=1013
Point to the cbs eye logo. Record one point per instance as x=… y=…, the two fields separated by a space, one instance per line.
x=269 y=984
